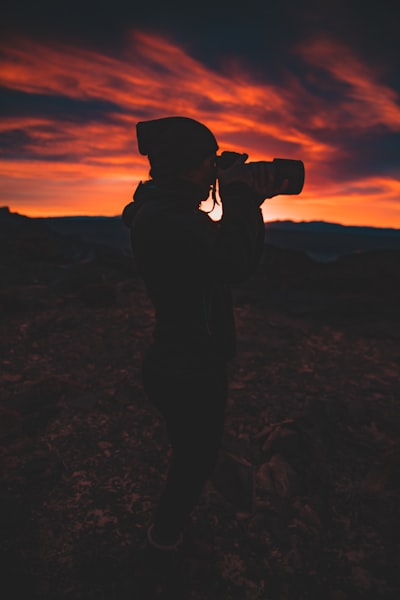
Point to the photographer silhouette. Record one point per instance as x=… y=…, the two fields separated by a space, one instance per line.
x=188 y=263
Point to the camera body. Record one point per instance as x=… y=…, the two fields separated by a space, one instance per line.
x=282 y=168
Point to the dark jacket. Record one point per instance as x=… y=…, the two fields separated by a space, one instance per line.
x=188 y=263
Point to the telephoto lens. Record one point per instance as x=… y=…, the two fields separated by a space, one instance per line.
x=293 y=171
x=283 y=168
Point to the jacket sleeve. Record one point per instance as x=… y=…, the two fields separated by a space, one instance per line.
x=240 y=240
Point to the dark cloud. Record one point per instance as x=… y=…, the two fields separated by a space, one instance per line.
x=262 y=32
x=18 y=145
x=14 y=103
x=368 y=156
x=15 y=143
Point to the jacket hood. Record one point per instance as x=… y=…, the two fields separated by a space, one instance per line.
x=144 y=191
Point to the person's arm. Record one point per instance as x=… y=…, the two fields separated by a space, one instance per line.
x=243 y=189
x=240 y=240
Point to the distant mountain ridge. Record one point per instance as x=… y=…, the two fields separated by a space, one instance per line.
x=320 y=240
x=326 y=272
x=321 y=226
x=325 y=242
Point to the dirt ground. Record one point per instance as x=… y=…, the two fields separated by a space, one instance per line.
x=313 y=407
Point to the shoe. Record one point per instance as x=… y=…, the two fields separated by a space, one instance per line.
x=157 y=543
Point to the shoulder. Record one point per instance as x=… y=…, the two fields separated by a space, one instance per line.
x=174 y=222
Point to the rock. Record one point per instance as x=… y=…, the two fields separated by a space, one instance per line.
x=307 y=516
x=282 y=441
x=277 y=477
x=234 y=479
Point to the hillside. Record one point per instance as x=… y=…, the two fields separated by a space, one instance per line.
x=321 y=241
x=325 y=242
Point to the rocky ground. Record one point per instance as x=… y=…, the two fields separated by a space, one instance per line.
x=313 y=407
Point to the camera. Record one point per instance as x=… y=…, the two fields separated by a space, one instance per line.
x=282 y=168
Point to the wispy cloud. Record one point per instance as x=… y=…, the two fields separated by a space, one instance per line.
x=366 y=102
x=68 y=130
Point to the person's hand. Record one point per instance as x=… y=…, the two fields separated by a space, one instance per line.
x=259 y=177
x=237 y=171
x=262 y=180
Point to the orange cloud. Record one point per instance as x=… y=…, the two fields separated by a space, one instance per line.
x=70 y=165
x=368 y=102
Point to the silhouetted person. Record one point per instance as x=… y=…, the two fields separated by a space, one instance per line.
x=188 y=262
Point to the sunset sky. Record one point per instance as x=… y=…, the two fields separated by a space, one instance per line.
x=316 y=81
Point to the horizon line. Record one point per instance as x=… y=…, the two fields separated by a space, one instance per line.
x=100 y=216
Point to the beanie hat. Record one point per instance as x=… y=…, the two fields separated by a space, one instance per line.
x=174 y=144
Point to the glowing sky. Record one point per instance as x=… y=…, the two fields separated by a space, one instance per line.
x=70 y=106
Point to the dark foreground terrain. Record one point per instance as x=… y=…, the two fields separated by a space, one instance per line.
x=314 y=407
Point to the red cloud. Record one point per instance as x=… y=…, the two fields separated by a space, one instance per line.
x=72 y=167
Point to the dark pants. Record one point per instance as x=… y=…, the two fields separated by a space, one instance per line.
x=193 y=408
